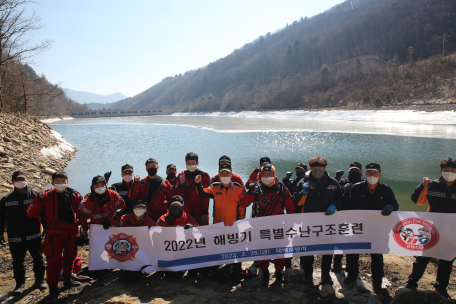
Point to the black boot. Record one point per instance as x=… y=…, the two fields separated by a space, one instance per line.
x=265 y=277
x=279 y=277
x=68 y=282
x=337 y=267
x=377 y=285
x=40 y=283
x=442 y=291
x=53 y=294
x=19 y=288
x=350 y=279
x=326 y=279
x=308 y=278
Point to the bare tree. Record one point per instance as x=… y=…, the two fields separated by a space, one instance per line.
x=15 y=36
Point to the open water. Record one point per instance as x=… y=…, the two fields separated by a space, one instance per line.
x=408 y=145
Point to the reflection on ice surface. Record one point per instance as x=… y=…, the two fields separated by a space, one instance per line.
x=404 y=123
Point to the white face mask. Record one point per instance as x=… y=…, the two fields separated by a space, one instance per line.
x=225 y=180
x=192 y=168
x=372 y=180
x=127 y=178
x=267 y=180
x=100 y=190
x=60 y=187
x=449 y=176
x=20 y=184
x=139 y=211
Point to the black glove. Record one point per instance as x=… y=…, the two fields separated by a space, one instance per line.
x=119 y=213
x=169 y=220
x=106 y=224
x=387 y=210
x=251 y=189
x=107 y=175
x=257 y=170
x=339 y=174
x=188 y=226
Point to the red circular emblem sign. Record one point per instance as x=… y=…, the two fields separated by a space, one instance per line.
x=416 y=234
x=122 y=247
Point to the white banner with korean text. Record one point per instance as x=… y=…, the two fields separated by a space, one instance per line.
x=175 y=249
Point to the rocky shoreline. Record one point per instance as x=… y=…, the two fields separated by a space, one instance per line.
x=27 y=143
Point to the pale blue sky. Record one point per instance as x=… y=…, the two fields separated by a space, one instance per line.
x=107 y=46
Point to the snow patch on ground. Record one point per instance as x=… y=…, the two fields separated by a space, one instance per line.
x=58 y=150
x=50 y=120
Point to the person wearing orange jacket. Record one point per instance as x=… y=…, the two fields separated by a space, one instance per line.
x=61 y=206
x=98 y=206
x=234 y=178
x=270 y=198
x=227 y=195
x=195 y=205
x=155 y=190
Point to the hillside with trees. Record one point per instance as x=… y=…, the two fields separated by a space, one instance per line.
x=358 y=52
x=21 y=89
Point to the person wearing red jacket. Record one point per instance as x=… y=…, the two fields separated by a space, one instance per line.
x=61 y=207
x=139 y=217
x=195 y=205
x=155 y=190
x=171 y=174
x=255 y=175
x=98 y=206
x=270 y=198
x=176 y=217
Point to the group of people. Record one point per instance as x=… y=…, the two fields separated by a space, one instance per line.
x=63 y=216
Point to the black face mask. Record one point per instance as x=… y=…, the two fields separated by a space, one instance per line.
x=152 y=171
x=171 y=176
x=176 y=211
x=300 y=174
x=354 y=177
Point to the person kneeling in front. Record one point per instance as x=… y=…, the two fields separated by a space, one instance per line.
x=139 y=217
x=270 y=198
x=176 y=217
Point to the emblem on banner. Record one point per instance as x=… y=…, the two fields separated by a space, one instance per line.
x=122 y=247
x=416 y=234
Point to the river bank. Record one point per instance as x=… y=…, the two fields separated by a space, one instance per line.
x=28 y=144
x=156 y=289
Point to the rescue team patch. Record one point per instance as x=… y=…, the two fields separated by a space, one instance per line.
x=416 y=234
x=142 y=182
x=122 y=247
x=218 y=193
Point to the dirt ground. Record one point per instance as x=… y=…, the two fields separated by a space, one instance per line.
x=155 y=288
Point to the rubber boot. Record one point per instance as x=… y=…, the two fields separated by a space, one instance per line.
x=279 y=277
x=53 y=294
x=40 y=283
x=265 y=277
x=68 y=282
x=308 y=278
x=19 y=288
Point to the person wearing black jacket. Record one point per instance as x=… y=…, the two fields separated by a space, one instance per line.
x=317 y=192
x=369 y=195
x=291 y=184
x=122 y=188
x=441 y=197
x=24 y=233
x=355 y=172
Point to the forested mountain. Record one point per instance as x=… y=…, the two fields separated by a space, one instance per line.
x=360 y=51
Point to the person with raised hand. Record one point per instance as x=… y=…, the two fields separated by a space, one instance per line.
x=270 y=198
x=317 y=192
x=61 y=207
x=440 y=194
x=154 y=189
x=195 y=205
x=24 y=233
x=370 y=194
x=98 y=206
